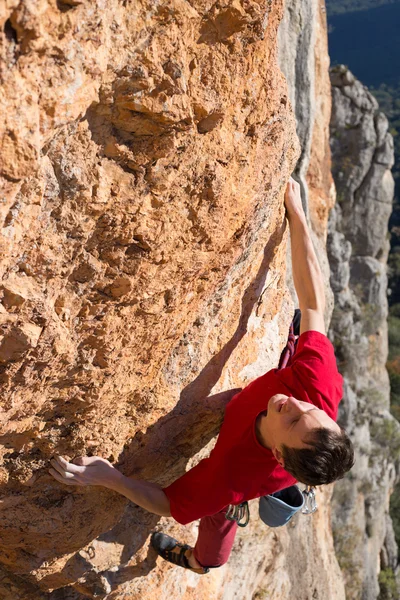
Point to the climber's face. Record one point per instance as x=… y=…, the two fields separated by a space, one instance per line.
x=290 y=422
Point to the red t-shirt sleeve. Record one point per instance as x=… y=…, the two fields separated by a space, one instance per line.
x=312 y=374
x=199 y=492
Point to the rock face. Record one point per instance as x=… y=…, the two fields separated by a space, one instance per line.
x=304 y=59
x=362 y=155
x=145 y=148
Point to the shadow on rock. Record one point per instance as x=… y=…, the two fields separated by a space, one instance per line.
x=161 y=454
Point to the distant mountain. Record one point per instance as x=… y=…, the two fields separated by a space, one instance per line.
x=337 y=7
x=367 y=41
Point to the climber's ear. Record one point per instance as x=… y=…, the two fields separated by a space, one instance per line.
x=278 y=455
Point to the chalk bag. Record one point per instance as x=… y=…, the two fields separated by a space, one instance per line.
x=277 y=509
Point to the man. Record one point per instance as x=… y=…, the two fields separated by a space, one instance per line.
x=278 y=430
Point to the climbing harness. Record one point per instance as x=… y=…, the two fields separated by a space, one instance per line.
x=237 y=513
x=310 y=501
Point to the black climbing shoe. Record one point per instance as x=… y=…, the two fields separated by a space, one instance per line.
x=174 y=552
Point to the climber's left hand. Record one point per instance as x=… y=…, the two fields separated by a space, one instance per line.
x=85 y=470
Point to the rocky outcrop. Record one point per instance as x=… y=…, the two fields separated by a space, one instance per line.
x=362 y=156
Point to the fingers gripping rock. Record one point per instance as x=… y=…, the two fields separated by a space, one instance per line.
x=66 y=472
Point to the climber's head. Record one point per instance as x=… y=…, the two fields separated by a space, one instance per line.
x=306 y=441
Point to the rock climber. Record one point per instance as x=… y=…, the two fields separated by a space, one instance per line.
x=279 y=430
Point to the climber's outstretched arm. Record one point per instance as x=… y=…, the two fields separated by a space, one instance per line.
x=145 y=494
x=307 y=274
x=98 y=471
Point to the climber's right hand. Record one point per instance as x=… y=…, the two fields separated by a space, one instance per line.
x=85 y=470
x=293 y=203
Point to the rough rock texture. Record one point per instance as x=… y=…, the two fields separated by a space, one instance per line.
x=145 y=148
x=304 y=59
x=362 y=155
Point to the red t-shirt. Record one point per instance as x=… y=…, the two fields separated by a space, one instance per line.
x=239 y=468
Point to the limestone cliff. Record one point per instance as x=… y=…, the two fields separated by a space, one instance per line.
x=304 y=59
x=362 y=155
x=145 y=148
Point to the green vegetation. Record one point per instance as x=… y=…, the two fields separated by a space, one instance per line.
x=388 y=586
x=348 y=541
x=389 y=102
x=393 y=364
x=338 y=7
x=395 y=510
x=386 y=433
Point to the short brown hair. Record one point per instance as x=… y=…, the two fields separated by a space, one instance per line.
x=328 y=457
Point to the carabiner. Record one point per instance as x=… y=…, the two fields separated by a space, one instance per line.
x=237 y=513
x=310 y=501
